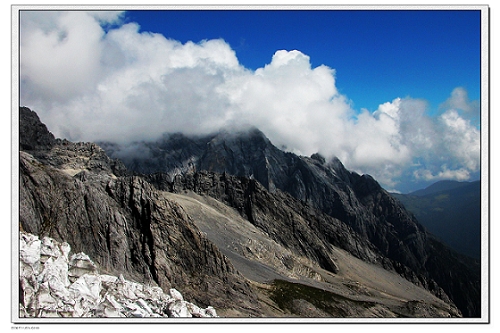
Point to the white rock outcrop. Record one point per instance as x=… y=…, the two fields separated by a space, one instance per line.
x=53 y=284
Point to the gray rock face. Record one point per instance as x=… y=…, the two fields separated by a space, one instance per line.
x=299 y=227
x=292 y=223
x=128 y=227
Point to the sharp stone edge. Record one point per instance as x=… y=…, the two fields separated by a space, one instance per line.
x=55 y=284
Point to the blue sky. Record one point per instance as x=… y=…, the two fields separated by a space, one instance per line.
x=377 y=54
x=391 y=93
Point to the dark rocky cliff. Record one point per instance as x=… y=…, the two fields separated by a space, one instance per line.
x=34 y=135
x=308 y=231
x=129 y=228
x=356 y=200
x=125 y=224
x=291 y=223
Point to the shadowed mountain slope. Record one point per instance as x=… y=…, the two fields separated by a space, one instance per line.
x=356 y=200
x=450 y=210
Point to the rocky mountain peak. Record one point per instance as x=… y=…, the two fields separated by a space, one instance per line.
x=318 y=157
x=34 y=135
x=250 y=133
x=357 y=200
x=209 y=214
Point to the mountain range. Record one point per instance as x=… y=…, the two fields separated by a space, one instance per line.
x=450 y=210
x=235 y=223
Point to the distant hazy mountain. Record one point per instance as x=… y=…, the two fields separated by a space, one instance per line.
x=451 y=210
x=443 y=185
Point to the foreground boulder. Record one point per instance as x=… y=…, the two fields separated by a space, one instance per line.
x=55 y=284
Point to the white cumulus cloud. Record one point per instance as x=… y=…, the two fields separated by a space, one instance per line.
x=122 y=85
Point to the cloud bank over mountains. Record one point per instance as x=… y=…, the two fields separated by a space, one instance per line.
x=92 y=78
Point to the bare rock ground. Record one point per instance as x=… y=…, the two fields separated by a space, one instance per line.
x=358 y=289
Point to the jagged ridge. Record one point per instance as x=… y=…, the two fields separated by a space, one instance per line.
x=129 y=225
x=357 y=200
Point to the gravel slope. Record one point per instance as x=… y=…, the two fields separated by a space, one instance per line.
x=261 y=260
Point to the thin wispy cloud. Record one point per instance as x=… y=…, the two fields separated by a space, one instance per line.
x=91 y=78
